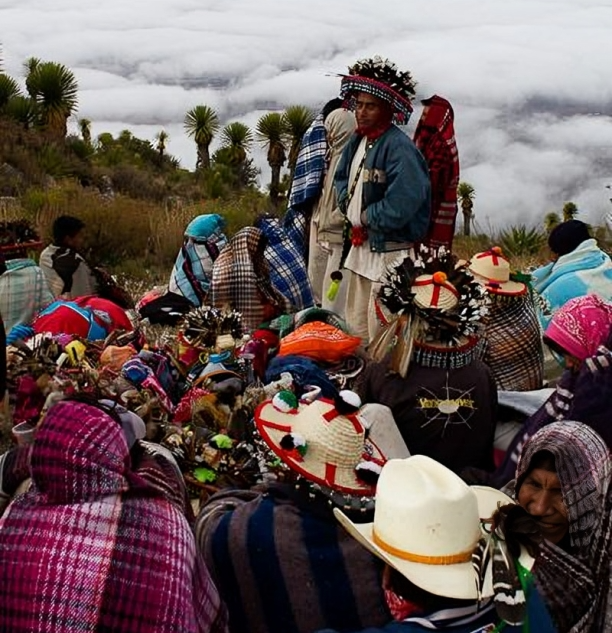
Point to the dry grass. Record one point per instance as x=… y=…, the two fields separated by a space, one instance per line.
x=131 y=237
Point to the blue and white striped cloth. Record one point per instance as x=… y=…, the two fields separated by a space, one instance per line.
x=310 y=165
x=192 y=272
x=288 y=271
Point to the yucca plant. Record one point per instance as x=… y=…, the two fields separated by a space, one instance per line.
x=551 y=220
x=161 y=140
x=54 y=88
x=570 y=211
x=270 y=133
x=202 y=123
x=85 y=128
x=466 y=194
x=239 y=138
x=520 y=241
x=9 y=89
x=22 y=110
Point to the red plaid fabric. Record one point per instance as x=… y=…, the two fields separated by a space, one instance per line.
x=435 y=138
x=93 y=546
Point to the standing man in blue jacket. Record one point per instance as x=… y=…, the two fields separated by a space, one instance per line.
x=382 y=184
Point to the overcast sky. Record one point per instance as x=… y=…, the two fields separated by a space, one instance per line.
x=529 y=79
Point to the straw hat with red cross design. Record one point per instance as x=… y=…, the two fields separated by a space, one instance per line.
x=321 y=444
x=434 y=292
x=492 y=269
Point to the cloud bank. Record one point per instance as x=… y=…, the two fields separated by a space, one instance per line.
x=529 y=79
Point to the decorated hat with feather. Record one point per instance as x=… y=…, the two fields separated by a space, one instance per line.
x=430 y=300
x=322 y=441
x=380 y=78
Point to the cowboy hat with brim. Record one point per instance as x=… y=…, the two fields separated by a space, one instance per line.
x=321 y=445
x=427 y=523
x=493 y=270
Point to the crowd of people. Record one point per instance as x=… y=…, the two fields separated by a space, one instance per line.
x=326 y=422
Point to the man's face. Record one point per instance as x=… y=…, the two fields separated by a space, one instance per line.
x=371 y=112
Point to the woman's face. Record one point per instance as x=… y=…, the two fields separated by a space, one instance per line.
x=540 y=495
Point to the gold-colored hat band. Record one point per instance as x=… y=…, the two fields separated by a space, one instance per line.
x=452 y=559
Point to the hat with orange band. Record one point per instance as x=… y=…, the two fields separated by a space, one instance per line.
x=427 y=524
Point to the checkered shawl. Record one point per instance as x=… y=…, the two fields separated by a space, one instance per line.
x=288 y=271
x=310 y=165
x=93 y=546
x=435 y=139
x=241 y=280
x=296 y=226
x=513 y=343
x=575 y=584
x=24 y=292
x=191 y=273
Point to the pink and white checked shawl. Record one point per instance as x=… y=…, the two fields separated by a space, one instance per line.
x=93 y=546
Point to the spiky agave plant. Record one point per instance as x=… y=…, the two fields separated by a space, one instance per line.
x=521 y=241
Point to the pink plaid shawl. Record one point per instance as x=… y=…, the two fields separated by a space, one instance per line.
x=93 y=546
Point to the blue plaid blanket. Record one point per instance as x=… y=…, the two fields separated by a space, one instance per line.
x=294 y=225
x=24 y=292
x=310 y=165
x=192 y=272
x=288 y=271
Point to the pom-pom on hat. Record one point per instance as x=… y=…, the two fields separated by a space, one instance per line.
x=435 y=292
x=493 y=270
x=323 y=445
x=380 y=78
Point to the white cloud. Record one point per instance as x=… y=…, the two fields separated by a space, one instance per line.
x=524 y=76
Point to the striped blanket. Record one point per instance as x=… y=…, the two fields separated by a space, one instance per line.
x=310 y=165
x=586 y=270
x=283 y=564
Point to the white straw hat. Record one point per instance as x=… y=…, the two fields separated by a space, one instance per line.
x=434 y=292
x=315 y=441
x=427 y=523
x=493 y=269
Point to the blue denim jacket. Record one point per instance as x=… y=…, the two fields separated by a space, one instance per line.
x=396 y=190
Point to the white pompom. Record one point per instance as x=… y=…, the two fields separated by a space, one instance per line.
x=350 y=397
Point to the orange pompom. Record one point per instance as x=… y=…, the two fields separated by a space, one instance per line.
x=439 y=278
x=497 y=250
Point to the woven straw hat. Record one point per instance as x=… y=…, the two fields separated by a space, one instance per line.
x=434 y=292
x=318 y=443
x=493 y=269
x=427 y=523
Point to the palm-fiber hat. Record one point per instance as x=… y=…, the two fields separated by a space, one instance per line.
x=427 y=524
x=493 y=270
x=320 y=443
